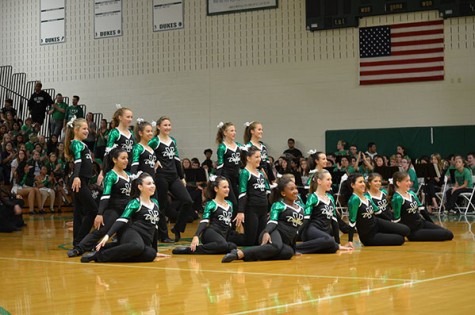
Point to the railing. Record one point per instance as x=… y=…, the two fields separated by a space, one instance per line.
x=14 y=86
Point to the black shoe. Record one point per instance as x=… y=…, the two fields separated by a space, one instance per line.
x=167 y=240
x=177 y=234
x=182 y=250
x=74 y=253
x=88 y=257
x=233 y=255
x=42 y=211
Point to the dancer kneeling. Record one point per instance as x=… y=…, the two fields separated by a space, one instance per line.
x=372 y=230
x=135 y=238
x=320 y=232
x=278 y=238
x=216 y=222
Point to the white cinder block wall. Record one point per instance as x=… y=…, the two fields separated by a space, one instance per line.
x=260 y=65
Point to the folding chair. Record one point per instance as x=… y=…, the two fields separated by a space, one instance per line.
x=441 y=194
x=339 y=207
x=465 y=201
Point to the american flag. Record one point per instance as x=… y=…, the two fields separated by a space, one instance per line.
x=409 y=52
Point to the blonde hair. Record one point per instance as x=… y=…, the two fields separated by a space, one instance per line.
x=76 y=124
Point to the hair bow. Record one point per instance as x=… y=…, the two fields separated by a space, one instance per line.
x=71 y=121
x=140 y=120
x=310 y=152
x=118 y=106
x=220 y=125
x=212 y=178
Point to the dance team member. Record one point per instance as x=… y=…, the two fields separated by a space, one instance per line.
x=115 y=197
x=379 y=196
x=169 y=176
x=320 y=233
x=278 y=238
x=253 y=203
x=216 y=222
x=372 y=230
x=85 y=208
x=407 y=208
x=135 y=227
x=229 y=159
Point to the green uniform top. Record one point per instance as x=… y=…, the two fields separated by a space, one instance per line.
x=406 y=211
x=413 y=176
x=287 y=219
x=361 y=214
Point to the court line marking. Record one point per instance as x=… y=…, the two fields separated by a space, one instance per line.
x=412 y=282
x=108 y=265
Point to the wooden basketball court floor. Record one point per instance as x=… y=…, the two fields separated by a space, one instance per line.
x=416 y=278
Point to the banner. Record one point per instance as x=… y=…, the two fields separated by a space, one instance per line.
x=107 y=18
x=52 y=26
x=167 y=15
x=228 y=6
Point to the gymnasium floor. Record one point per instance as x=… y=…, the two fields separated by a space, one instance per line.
x=416 y=278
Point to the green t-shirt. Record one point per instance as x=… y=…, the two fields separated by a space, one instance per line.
x=57 y=115
x=74 y=111
x=461 y=177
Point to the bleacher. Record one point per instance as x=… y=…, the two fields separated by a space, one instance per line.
x=16 y=87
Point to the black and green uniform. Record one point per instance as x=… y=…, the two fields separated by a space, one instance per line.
x=265 y=162
x=143 y=160
x=168 y=179
x=373 y=231
x=115 y=197
x=283 y=225
x=382 y=203
x=229 y=166
x=213 y=229
x=85 y=208
x=118 y=139
x=253 y=191
x=320 y=232
x=136 y=227
x=407 y=212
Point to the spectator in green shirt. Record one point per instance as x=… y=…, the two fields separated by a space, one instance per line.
x=57 y=112
x=74 y=110
x=471 y=162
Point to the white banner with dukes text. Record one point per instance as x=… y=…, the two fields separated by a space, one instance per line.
x=167 y=15
x=52 y=26
x=107 y=18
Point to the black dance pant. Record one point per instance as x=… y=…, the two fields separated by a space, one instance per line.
x=85 y=211
x=276 y=250
x=130 y=248
x=451 y=197
x=430 y=232
x=316 y=241
x=91 y=240
x=213 y=243
x=255 y=221
x=171 y=183
x=386 y=233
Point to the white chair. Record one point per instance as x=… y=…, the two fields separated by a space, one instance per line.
x=441 y=194
x=465 y=201
x=339 y=207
